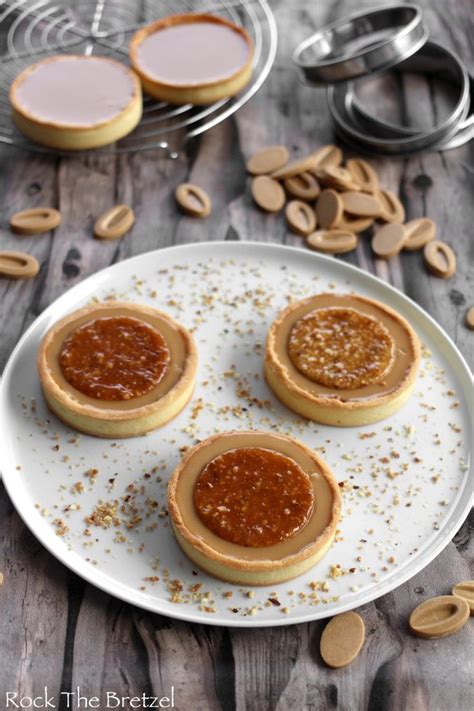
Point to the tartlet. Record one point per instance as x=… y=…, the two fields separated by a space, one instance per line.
x=193 y=58
x=341 y=360
x=76 y=102
x=254 y=508
x=117 y=369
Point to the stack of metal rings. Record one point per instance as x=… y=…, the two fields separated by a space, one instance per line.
x=373 y=42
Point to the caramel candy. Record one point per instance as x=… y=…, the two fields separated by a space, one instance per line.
x=361 y=204
x=440 y=259
x=193 y=200
x=363 y=173
x=470 y=318
x=439 y=617
x=329 y=209
x=340 y=348
x=18 y=265
x=328 y=157
x=342 y=639
x=335 y=241
x=297 y=167
x=114 y=223
x=302 y=187
x=466 y=591
x=268 y=193
x=388 y=240
x=300 y=217
x=392 y=208
x=268 y=160
x=418 y=233
x=35 y=221
x=354 y=224
x=337 y=177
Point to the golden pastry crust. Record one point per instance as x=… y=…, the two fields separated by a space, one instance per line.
x=70 y=136
x=335 y=408
x=199 y=94
x=100 y=419
x=247 y=571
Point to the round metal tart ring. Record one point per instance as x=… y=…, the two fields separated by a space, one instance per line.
x=432 y=58
x=361 y=44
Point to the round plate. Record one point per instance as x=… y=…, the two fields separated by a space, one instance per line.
x=99 y=505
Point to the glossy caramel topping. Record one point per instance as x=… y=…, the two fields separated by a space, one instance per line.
x=116 y=358
x=253 y=496
x=341 y=348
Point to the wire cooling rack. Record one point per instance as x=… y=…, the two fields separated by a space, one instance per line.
x=33 y=29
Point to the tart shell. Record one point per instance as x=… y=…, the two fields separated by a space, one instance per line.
x=334 y=410
x=242 y=571
x=73 y=137
x=73 y=409
x=199 y=94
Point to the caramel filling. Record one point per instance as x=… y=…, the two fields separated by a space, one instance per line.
x=340 y=348
x=253 y=497
x=114 y=358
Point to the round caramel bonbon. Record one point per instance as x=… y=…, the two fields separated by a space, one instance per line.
x=335 y=241
x=300 y=217
x=439 y=616
x=439 y=259
x=114 y=223
x=392 y=208
x=35 y=221
x=363 y=173
x=388 y=240
x=466 y=591
x=268 y=193
x=361 y=204
x=329 y=209
x=418 y=233
x=193 y=200
x=302 y=187
x=18 y=265
x=342 y=639
x=268 y=160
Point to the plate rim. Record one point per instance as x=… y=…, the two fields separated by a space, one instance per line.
x=76 y=564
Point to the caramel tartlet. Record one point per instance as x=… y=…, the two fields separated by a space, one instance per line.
x=341 y=360
x=254 y=508
x=192 y=58
x=117 y=369
x=75 y=102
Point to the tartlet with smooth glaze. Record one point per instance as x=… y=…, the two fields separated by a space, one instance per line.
x=117 y=369
x=341 y=360
x=254 y=508
x=76 y=102
x=193 y=58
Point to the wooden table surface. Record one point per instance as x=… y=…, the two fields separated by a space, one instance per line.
x=58 y=631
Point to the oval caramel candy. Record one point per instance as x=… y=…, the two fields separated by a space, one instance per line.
x=361 y=204
x=296 y=167
x=342 y=639
x=114 y=223
x=336 y=177
x=388 y=240
x=268 y=193
x=363 y=173
x=332 y=241
x=329 y=209
x=440 y=259
x=354 y=224
x=268 y=160
x=192 y=200
x=35 y=221
x=302 y=187
x=392 y=208
x=418 y=233
x=18 y=265
x=466 y=591
x=470 y=318
x=328 y=157
x=300 y=217
x=439 y=617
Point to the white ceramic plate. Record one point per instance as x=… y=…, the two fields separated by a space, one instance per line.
x=407 y=488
